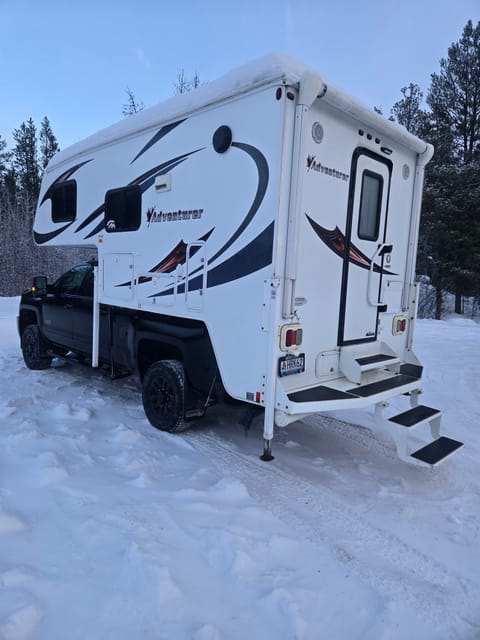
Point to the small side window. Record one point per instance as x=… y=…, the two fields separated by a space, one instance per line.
x=123 y=209
x=64 y=201
x=370 y=206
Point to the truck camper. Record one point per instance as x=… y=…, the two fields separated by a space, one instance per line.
x=255 y=237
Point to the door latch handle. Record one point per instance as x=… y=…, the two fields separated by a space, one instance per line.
x=380 y=251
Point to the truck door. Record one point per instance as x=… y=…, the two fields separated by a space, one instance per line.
x=366 y=254
x=59 y=306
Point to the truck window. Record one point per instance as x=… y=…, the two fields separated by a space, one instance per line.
x=64 y=201
x=71 y=283
x=123 y=209
x=370 y=206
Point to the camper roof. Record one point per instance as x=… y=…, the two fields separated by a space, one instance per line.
x=263 y=71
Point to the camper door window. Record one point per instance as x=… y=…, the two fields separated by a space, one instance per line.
x=123 y=209
x=370 y=206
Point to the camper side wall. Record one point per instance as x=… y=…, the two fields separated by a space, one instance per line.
x=185 y=218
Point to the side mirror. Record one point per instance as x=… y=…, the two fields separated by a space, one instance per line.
x=39 y=286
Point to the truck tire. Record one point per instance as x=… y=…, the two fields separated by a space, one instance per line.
x=33 y=349
x=163 y=395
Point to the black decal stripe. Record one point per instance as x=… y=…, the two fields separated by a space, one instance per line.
x=41 y=238
x=65 y=176
x=95 y=230
x=262 y=167
x=150 y=181
x=146 y=180
x=335 y=240
x=158 y=136
x=98 y=211
x=255 y=256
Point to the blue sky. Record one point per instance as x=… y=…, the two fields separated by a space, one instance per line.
x=73 y=61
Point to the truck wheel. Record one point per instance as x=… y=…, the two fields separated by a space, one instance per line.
x=163 y=395
x=33 y=349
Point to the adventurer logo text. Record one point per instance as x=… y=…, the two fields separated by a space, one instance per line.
x=315 y=165
x=172 y=216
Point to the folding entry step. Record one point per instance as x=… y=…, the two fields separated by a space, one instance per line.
x=399 y=426
x=437 y=450
x=355 y=360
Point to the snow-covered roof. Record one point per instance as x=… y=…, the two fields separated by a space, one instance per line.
x=269 y=69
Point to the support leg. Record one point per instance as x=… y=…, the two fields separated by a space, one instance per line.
x=267 y=451
x=414 y=397
x=267 y=434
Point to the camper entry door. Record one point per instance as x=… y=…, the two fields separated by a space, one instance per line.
x=366 y=254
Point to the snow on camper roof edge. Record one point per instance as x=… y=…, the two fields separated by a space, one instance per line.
x=259 y=72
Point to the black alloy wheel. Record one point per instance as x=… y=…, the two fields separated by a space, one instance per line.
x=33 y=349
x=163 y=395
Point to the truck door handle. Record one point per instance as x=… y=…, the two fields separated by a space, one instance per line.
x=67 y=305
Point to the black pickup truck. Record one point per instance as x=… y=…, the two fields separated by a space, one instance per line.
x=172 y=357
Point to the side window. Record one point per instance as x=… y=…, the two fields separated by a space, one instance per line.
x=64 y=201
x=71 y=282
x=370 y=206
x=123 y=209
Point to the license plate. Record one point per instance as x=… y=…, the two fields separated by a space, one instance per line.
x=290 y=364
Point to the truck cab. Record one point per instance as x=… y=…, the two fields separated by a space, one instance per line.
x=62 y=313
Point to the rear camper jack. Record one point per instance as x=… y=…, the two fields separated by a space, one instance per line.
x=267 y=451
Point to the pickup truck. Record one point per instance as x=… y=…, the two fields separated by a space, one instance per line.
x=172 y=357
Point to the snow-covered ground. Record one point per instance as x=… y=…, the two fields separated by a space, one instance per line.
x=111 y=529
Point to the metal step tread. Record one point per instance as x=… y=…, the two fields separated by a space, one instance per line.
x=437 y=450
x=373 y=388
x=319 y=394
x=322 y=392
x=376 y=358
x=415 y=416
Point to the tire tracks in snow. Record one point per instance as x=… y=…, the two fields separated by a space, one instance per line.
x=382 y=559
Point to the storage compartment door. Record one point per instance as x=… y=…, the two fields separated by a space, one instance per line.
x=118 y=276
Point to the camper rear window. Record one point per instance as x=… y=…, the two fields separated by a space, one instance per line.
x=123 y=209
x=370 y=206
x=64 y=201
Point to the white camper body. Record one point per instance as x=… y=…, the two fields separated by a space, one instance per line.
x=278 y=212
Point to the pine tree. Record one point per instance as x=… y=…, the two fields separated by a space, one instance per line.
x=454 y=96
x=48 y=143
x=408 y=111
x=451 y=231
x=4 y=157
x=25 y=161
x=451 y=212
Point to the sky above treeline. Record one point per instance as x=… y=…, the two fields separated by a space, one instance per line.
x=73 y=61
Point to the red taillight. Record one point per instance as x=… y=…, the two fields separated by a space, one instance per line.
x=399 y=325
x=293 y=337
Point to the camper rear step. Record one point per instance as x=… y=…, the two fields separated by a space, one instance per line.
x=376 y=360
x=356 y=360
x=437 y=450
x=416 y=416
x=400 y=425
